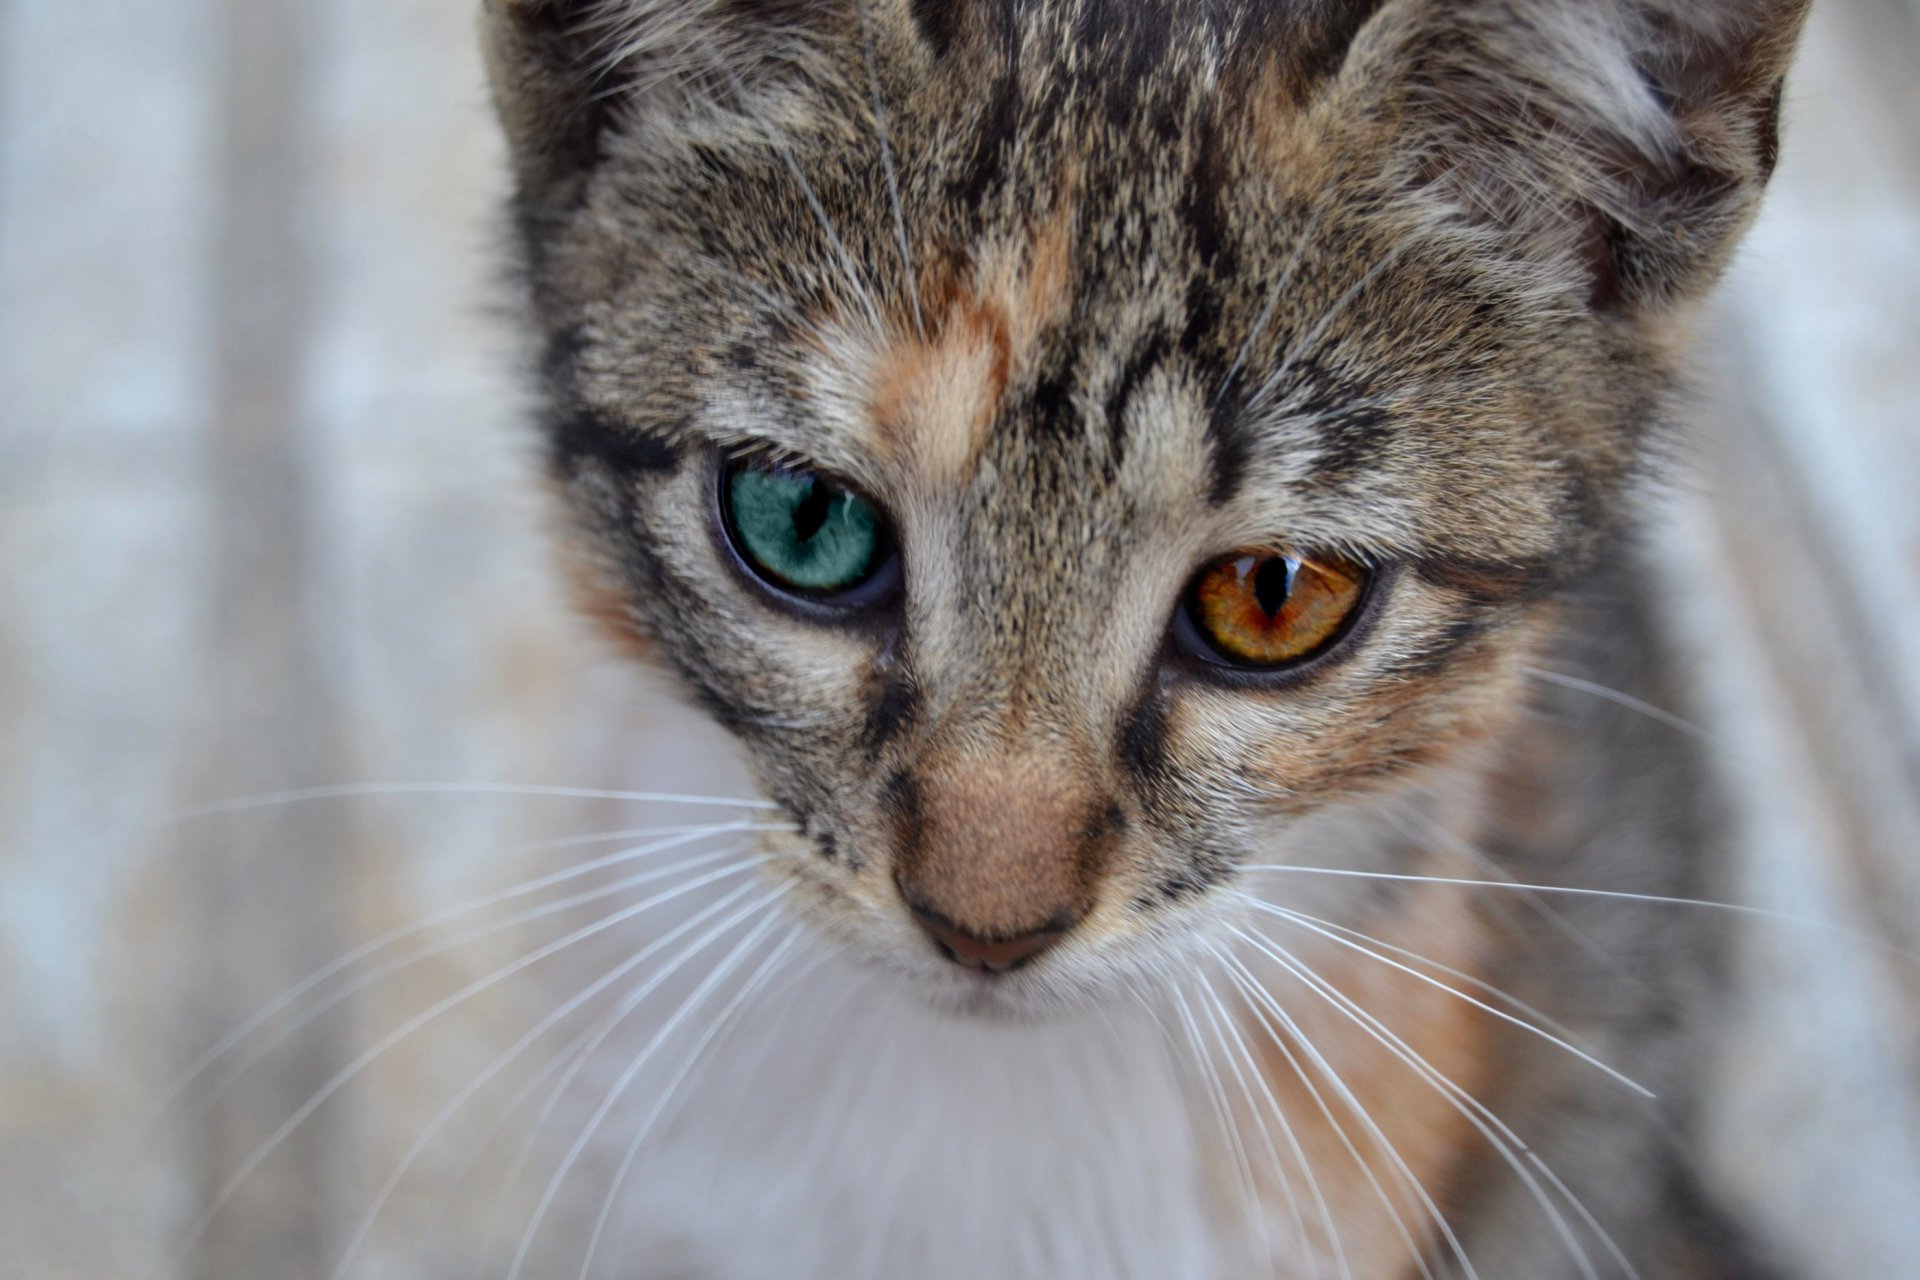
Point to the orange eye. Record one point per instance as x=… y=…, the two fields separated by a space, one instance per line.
x=1272 y=609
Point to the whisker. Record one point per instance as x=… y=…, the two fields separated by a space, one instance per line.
x=1606 y=1239
x=1627 y=700
x=1341 y=1264
x=347 y=1073
x=503 y=1115
x=1221 y=1021
x=1490 y=1126
x=1656 y=899
x=1216 y=1096
x=366 y=950
x=771 y=1041
x=1498 y=993
x=578 y=1059
x=598 y=1035
x=1554 y=918
x=1246 y=1160
x=362 y=790
x=741 y=998
x=1264 y=1006
x=626 y=1078
x=527 y=1039
x=1311 y=924
x=418 y=955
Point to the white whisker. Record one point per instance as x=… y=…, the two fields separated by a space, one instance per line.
x=418 y=955
x=1586 y=1215
x=1655 y=899
x=1237 y=1051
x=1556 y=919
x=772 y=1040
x=504 y=1114
x=1312 y=925
x=613 y=1095
x=360 y=790
x=1627 y=700
x=1208 y=1000
x=1498 y=993
x=1265 y=1004
x=723 y=1019
x=1489 y=1125
x=527 y=1040
x=367 y=950
x=1341 y=1263
x=1216 y=1096
x=347 y=1073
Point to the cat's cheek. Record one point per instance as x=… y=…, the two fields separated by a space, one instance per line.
x=1410 y=727
x=597 y=595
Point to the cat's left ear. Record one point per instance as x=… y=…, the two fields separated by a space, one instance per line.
x=1626 y=140
x=568 y=75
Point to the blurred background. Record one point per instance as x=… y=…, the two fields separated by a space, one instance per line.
x=267 y=521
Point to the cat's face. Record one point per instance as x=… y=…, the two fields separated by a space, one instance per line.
x=1082 y=450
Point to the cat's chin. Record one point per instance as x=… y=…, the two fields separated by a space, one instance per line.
x=1012 y=1000
x=987 y=1001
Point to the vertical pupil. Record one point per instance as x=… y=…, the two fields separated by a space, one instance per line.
x=812 y=511
x=1273 y=583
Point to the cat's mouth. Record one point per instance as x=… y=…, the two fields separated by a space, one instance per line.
x=1029 y=997
x=984 y=996
x=1015 y=982
x=1062 y=962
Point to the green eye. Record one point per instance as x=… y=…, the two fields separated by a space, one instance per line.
x=802 y=531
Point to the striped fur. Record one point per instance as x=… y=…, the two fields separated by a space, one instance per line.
x=1086 y=292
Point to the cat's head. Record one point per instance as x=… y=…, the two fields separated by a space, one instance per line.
x=1081 y=447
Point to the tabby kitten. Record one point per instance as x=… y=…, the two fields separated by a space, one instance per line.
x=1152 y=485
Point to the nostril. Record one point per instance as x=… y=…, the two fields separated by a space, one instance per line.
x=989 y=955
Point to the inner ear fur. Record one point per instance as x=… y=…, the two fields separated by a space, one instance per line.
x=567 y=73
x=1625 y=141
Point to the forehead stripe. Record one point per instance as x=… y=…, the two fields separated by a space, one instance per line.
x=1228 y=445
x=1147 y=357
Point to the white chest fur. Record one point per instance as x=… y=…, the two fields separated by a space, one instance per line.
x=852 y=1134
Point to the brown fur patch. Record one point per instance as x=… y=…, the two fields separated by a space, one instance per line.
x=934 y=397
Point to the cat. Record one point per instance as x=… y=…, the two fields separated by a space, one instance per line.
x=1155 y=487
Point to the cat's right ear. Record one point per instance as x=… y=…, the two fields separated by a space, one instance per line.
x=569 y=75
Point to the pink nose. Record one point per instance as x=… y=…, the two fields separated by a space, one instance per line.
x=988 y=955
